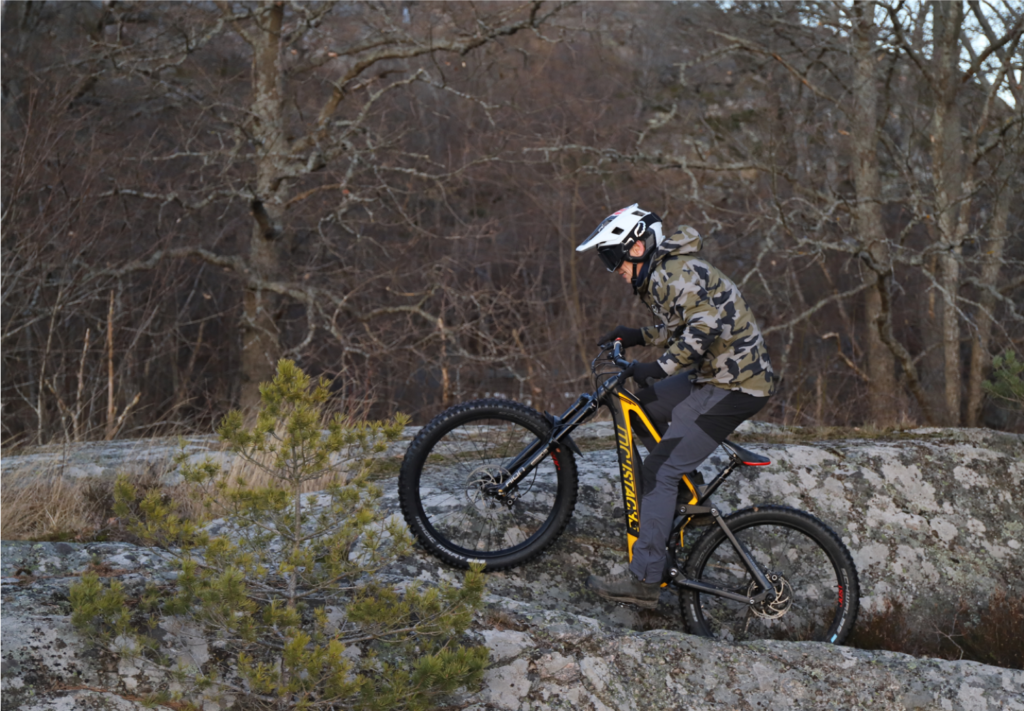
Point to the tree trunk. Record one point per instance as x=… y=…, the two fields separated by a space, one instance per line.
x=864 y=130
x=949 y=279
x=993 y=262
x=948 y=169
x=261 y=337
x=13 y=22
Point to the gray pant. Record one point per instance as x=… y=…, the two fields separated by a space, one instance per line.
x=692 y=421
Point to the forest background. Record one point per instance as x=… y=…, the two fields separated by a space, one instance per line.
x=391 y=194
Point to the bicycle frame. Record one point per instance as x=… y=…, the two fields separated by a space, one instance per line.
x=625 y=408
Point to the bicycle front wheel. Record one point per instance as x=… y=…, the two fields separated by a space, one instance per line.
x=448 y=467
x=815 y=590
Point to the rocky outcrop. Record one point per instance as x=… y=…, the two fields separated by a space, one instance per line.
x=576 y=666
x=931 y=517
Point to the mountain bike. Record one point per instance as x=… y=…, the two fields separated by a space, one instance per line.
x=494 y=482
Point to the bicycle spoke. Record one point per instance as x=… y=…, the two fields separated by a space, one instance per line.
x=803 y=603
x=464 y=459
x=452 y=475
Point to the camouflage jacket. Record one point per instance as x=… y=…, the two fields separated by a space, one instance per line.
x=704 y=321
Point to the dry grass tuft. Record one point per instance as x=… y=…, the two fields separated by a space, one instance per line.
x=501 y=620
x=886 y=629
x=253 y=473
x=49 y=506
x=992 y=635
x=998 y=637
x=42 y=506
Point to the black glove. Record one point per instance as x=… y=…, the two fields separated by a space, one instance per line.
x=645 y=373
x=630 y=336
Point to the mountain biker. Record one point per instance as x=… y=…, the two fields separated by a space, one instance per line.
x=714 y=374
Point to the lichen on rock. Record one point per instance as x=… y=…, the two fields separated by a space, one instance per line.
x=931 y=518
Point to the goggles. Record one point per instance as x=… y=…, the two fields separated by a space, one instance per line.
x=613 y=255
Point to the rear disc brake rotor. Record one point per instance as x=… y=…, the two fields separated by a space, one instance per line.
x=777 y=603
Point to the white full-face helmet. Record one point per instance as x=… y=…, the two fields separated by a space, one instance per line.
x=614 y=237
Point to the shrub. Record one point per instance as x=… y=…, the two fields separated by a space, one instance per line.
x=291 y=578
x=1007 y=383
x=998 y=637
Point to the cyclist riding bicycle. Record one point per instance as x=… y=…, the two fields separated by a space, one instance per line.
x=714 y=374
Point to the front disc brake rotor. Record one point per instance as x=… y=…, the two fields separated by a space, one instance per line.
x=777 y=603
x=480 y=480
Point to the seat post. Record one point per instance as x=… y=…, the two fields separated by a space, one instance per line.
x=719 y=479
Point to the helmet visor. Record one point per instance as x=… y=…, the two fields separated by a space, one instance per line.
x=613 y=255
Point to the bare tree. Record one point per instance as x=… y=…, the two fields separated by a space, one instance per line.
x=883 y=88
x=959 y=146
x=392 y=193
x=304 y=129
x=1004 y=183
x=864 y=127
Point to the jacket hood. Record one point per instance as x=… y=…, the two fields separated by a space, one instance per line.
x=685 y=240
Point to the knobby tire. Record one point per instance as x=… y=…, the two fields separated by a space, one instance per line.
x=819 y=574
x=441 y=501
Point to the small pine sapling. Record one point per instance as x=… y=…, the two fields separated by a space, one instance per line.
x=288 y=582
x=1007 y=383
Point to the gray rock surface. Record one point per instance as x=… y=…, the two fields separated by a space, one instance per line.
x=931 y=517
x=107 y=459
x=79 y=460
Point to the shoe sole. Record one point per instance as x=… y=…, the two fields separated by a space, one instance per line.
x=645 y=604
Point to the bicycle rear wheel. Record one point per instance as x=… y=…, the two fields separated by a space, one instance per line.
x=816 y=593
x=452 y=459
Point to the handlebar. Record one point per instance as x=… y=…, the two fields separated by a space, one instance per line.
x=617 y=354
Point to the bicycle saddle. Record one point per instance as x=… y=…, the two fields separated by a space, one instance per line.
x=745 y=455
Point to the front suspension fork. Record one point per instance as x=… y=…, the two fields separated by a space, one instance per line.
x=534 y=453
